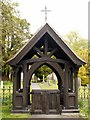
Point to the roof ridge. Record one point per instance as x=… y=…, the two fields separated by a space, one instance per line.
x=46 y=27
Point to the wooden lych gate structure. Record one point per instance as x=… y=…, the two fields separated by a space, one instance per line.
x=45 y=48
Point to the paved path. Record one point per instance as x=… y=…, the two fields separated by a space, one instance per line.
x=35 y=86
x=56 y=117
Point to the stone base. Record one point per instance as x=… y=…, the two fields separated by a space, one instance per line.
x=57 y=117
x=46 y=117
x=20 y=111
x=64 y=116
x=68 y=114
x=63 y=111
x=70 y=111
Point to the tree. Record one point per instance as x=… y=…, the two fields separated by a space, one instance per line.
x=80 y=47
x=15 y=31
x=88 y=64
x=43 y=70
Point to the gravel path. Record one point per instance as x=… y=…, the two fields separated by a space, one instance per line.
x=35 y=86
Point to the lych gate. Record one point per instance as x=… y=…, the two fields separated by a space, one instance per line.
x=45 y=48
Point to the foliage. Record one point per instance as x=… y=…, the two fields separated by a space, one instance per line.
x=15 y=31
x=83 y=75
x=6 y=113
x=83 y=100
x=83 y=107
x=88 y=64
x=43 y=70
x=80 y=48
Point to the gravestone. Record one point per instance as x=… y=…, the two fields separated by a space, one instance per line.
x=1 y=84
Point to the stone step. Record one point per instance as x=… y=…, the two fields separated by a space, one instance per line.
x=70 y=118
x=70 y=111
x=64 y=116
x=56 y=117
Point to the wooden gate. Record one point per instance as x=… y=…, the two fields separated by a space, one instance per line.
x=45 y=102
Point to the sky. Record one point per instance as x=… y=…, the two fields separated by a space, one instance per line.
x=65 y=15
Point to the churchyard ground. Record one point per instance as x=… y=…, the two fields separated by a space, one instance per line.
x=6 y=97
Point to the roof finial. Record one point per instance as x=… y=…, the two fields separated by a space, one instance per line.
x=46 y=10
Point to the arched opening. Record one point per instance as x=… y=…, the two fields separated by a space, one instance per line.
x=47 y=78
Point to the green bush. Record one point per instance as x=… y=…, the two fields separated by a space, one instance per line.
x=83 y=107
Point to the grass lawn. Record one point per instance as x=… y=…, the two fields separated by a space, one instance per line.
x=47 y=86
x=6 y=107
x=6 y=113
x=83 y=100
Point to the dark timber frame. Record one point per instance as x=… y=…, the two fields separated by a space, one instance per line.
x=45 y=47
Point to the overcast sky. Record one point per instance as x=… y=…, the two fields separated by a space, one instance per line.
x=65 y=15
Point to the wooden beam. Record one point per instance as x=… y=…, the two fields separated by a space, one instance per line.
x=43 y=59
x=52 y=52
x=38 y=55
x=45 y=46
x=36 y=49
x=49 y=49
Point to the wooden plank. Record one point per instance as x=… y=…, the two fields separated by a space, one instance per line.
x=46 y=102
x=52 y=52
x=37 y=49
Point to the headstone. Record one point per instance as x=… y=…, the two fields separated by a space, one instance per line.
x=43 y=78
x=88 y=86
x=1 y=84
x=53 y=77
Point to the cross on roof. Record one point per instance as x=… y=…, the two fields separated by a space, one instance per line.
x=45 y=10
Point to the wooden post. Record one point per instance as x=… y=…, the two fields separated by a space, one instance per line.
x=71 y=78
x=14 y=86
x=25 y=92
x=76 y=88
x=66 y=87
x=29 y=93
